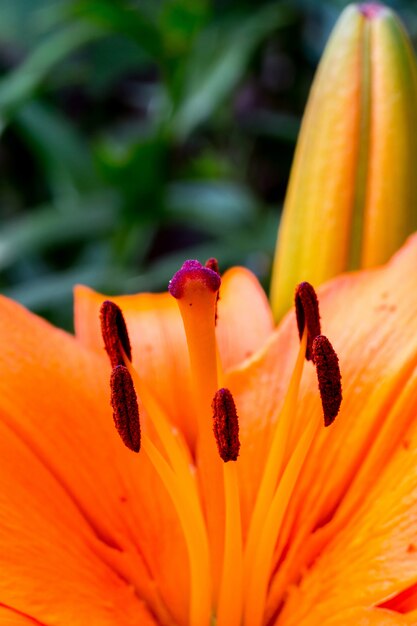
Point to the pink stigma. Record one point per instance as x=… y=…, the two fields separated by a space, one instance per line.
x=193 y=271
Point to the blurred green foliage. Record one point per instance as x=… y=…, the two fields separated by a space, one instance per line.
x=138 y=133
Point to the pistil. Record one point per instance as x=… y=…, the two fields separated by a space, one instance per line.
x=195 y=288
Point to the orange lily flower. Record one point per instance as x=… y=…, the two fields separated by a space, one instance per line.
x=309 y=526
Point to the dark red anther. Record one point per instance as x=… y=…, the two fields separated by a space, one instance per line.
x=114 y=333
x=125 y=407
x=193 y=271
x=213 y=264
x=307 y=313
x=226 y=425
x=329 y=379
x=370 y=10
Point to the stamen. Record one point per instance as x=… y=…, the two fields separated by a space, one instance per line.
x=226 y=425
x=114 y=333
x=193 y=272
x=272 y=475
x=259 y=576
x=226 y=432
x=213 y=264
x=125 y=407
x=329 y=379
x=307 y=313
x=173 y=465
x=195 y=536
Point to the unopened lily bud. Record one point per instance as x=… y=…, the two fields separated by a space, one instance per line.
x=352 y=196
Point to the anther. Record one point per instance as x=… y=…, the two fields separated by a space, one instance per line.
x=307 y=313
x=226 y=425
x=329 y=379
x=114 y=333
x=193 y=272
x=213 y=264
x=125 y=407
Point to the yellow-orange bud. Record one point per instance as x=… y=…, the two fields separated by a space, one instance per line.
x=352 y=196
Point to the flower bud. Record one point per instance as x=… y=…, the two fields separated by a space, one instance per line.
x=352 y=195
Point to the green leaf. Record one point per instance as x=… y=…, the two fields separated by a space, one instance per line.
x=110 y=60
x=24 y=21
x=212 y=205
x=281 y=126
x=20 y=84
x=63 y=153
x=180 y=22
x=218 y=61
x=47 y=228
x=52 y=290
x=252 y=245
x=136 y=165
x=118 y=16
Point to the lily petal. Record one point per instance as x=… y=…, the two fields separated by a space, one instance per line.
x=53 y=548
x=11 y=617
x=244 y=317
x=117 y=493
x=378 y=356
x=364 y=617
x=374 y=557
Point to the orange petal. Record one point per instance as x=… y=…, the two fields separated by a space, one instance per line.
x=10 y=617
x=378 y=354
x=244 y=320
x=362 y=617
x=374 y=557
x=259 y=386
x=377 y=347
x=54 y=395
x=51 y=561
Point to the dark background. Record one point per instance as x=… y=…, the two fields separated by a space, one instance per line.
x=138 y=133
